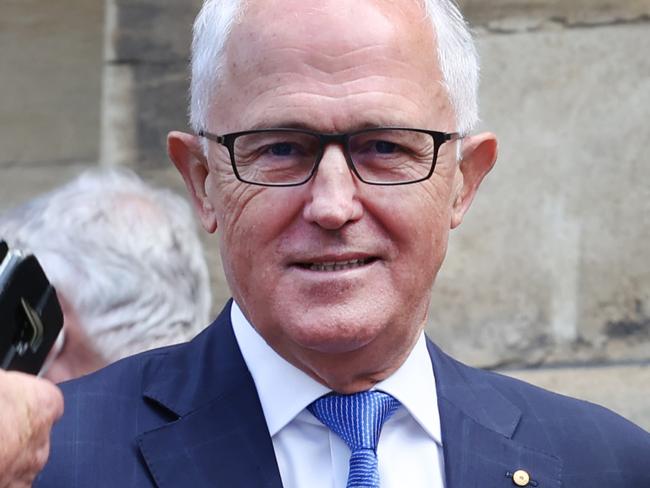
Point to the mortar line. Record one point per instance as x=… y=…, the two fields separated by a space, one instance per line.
x=544 y=25
x=593 y=364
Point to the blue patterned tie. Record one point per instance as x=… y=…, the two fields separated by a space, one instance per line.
x=357 y=419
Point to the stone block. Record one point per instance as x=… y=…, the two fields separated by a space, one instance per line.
x=50 y=80
x=147 y=54
x=160 y=103
x=152 y=31
x=508 y=15
x=552 y=261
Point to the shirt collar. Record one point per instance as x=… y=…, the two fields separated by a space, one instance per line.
x=285 y=391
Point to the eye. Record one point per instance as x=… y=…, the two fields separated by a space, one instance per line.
x=281 y=149
x=385 y=147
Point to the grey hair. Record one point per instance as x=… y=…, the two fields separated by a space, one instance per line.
x=457 y=57
x=124 y=255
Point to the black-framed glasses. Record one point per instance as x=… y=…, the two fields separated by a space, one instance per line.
x=290 y=157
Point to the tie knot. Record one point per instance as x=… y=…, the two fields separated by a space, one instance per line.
x=356 y=418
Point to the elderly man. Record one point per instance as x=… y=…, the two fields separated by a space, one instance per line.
x=127 y=264
x=332 y=156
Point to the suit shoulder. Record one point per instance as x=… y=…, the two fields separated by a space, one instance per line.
x=122 y=375
x=586 y=433
x=529 y=397
x=104 y=413
x=111 y=395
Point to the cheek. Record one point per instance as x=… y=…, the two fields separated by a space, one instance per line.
x=234 y=206
x=423 y=215
x=435 y=230
x=252 y=221
x=428 y=246
x=238 y=258
x=421 y=224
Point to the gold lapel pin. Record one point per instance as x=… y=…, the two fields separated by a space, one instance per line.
x=521 y=478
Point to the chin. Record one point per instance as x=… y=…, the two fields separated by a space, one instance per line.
x=331 y=336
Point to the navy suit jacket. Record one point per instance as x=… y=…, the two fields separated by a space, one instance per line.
x=189 y=416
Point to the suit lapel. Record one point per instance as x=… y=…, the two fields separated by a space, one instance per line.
x=218 y=435
x=478 y=425
x=222 y=444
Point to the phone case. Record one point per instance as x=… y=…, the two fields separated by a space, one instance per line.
x=30 y=314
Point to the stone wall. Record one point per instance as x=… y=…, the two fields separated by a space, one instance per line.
x=146 y=57
x=553 y=256
x=50 y=82
x=548 y=277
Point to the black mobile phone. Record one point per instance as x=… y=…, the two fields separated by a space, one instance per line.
x=4 y=249
x=30 y=313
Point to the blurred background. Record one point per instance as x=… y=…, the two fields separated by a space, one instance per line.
x=548 y=279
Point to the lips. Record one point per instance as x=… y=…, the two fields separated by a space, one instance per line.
x=336 y=265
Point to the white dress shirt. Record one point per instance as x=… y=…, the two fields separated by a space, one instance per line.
x=310 y=455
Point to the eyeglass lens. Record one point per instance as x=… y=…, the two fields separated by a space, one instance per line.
x=378 y=156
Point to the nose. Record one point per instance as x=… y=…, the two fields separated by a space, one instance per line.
x=333 y=192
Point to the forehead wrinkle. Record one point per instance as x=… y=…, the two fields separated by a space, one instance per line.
x=330 y=57
x=279 y=105
x=321 y=66
x=344 y=122
x=298 y=105
x=329 y=89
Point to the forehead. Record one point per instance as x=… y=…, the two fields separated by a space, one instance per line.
x=331 y=26
x=322 y=56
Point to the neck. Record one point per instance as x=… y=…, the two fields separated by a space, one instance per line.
x=353 y=371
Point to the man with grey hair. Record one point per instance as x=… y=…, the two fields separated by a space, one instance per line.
x=126 y=261
x=332 y=154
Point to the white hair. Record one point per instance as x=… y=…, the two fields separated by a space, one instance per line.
x=125 y=256
x=457 y=57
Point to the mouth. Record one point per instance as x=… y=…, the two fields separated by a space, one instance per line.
x=341 y=265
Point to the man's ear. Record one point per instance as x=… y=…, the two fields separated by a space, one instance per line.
x=479 y=153
x=187 y=154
